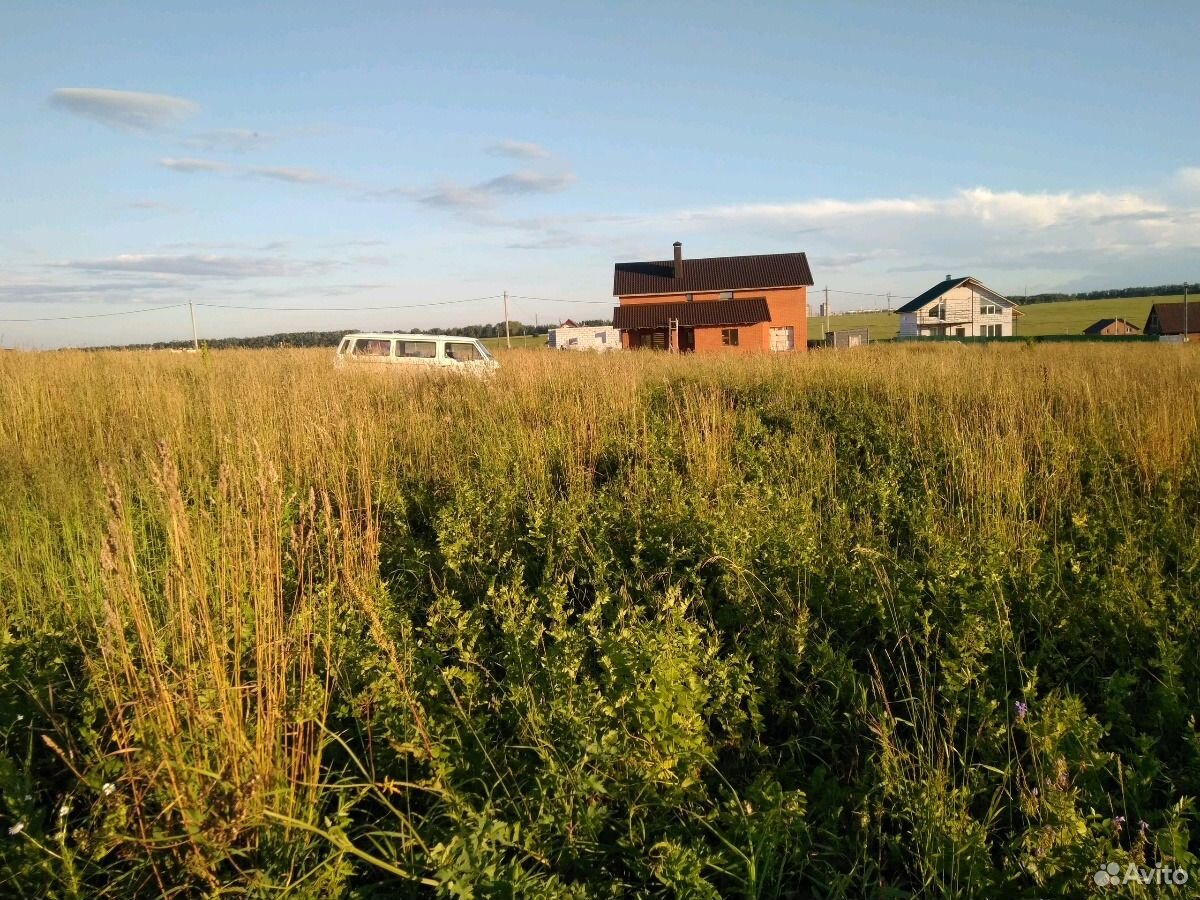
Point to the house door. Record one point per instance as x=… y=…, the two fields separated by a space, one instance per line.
x=783 y=338
x=687 y=340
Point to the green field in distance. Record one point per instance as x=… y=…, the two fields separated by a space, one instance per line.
x=1062 y=317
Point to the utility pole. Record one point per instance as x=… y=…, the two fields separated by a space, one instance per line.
x=195 y=340
x=507 y=336
x=889 y=301
x=1185 y=316
x=826 y=310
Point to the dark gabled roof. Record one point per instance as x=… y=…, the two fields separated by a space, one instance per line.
x=940 y=288
x=932 y=294
x=1098 y=326
x=1170 y=318
x=701 y=313
x=716 y=273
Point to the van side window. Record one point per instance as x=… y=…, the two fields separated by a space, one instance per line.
x=372 y=347
x=416 y=349
x=462 y=352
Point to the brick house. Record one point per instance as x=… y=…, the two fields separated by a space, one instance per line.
x=1107 y=327
x=740 y=304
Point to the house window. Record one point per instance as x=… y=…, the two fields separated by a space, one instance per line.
x=991 y=331
x=726 y=295
x=729 y=337
x=689 y=297
x=960 y=332
x=989 y=309
x=938 y=310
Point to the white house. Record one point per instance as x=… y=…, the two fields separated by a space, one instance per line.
x=958 y=307
x=570 y=336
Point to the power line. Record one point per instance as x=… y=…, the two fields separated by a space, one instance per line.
x=348 y=308
x=562 y=300
x=124 y=312
x=867 y=294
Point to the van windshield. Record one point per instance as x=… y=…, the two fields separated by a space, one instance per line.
x=483 y=351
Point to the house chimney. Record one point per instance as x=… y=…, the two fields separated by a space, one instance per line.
x=678 y=259
x=949 y=277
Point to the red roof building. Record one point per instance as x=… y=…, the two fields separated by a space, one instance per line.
x=724 y=303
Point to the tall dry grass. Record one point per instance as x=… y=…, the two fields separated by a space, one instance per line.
x=199 y=528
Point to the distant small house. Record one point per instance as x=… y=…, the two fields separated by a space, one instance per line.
x=570 y=336
x=1174 y=319
x=1112 y=326
x=958 y=307
x=847 y=338
x=720 y=304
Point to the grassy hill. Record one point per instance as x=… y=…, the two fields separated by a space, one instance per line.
x=1065 y=317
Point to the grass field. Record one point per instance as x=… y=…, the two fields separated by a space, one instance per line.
x=1067 y=317
x=915 y=621
x=518 y=341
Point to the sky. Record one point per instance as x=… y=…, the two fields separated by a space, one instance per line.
x=299 y=166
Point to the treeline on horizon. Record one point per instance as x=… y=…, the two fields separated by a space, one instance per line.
x=1161 y=290
x=332 y=338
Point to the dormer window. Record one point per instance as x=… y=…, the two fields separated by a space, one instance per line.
x=726 y=295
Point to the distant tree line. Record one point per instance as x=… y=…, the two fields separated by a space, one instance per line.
x=333 y=338
x=1161 y=290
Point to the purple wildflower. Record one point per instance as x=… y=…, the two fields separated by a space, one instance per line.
x=1143 y=826
x=1021 y=708
x=1119 y=821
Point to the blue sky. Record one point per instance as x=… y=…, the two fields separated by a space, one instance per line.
x=316 y=157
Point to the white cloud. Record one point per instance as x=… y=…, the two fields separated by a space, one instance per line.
x=517 y=150
x=1038 y=210
x=124 y=110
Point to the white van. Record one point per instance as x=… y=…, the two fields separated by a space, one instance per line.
x=446 y=352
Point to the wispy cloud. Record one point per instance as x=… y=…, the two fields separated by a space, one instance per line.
x=290 y=174
x=294 y=175
x=124 y=110
x=1188 y=178
x=230 y=140
x=481 y=196
x=189 y=164
x=41 y=290
x=200 y=265
x=527 y=182
x=517 y=150
x=151 y=206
